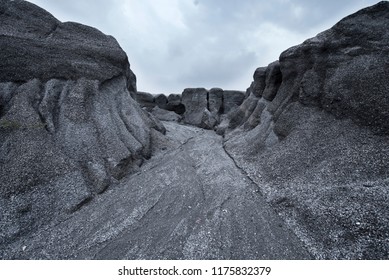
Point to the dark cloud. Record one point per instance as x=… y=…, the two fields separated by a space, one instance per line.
x=173 y=44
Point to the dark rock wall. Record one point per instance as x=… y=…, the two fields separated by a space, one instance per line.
x=68 y=125
x=342 y=71
x=313 y=133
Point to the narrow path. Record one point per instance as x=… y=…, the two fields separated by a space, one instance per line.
x=190 y=201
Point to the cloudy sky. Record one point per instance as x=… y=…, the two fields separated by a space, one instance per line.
x=174 y=44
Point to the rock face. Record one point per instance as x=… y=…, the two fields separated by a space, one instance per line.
x=196 y=113
x=198 y=106
x=68 y=126
x=313 y=133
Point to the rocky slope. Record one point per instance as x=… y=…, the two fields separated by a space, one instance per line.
x=68 y=126
x=313 y=134
x=183 y=204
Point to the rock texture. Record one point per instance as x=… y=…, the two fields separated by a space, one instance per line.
x=68 y=126
x=183 y=204
x=313 y=133
x=198 y=106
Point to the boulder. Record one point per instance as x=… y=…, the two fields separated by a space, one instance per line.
x=174 y=104
x=196 y=113
x=161 y=101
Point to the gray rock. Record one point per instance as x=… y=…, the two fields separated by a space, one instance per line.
x=215 y=101
x=315 y=139
x=273 y=80
x=232 y=99
x=68 y=125
x=184 y=204
x=344 y=69
x=174 y=104
x=165 y=115
x=161 y=101
x=258 y=85
x=196 y=113
x=146 y=100
x=26 y=40
x=301 y=170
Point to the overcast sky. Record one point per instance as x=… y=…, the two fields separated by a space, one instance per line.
x=174 y=44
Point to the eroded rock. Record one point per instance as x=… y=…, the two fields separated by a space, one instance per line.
x=68 y=125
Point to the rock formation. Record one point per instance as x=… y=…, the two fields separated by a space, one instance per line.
x=307 y=142
x=198 y=106
x=313 y=133
x=68 y=126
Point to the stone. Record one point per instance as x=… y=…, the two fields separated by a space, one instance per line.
x=161 y=101
x=174 y=104
x=195 y=101
x=165 y=115
x=68 y=125
x=273 y=80
x=215 y=101
x=318 y=134
x=145 y=99
x=258 y=84
x=26 y=40
x=232 y=99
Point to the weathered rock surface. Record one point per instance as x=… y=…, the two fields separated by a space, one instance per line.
x=68 y=126
x=316 y=139
x=165 y=115
x=197 y=113
x=146 y=100
x=183 y=204
x=198 y=106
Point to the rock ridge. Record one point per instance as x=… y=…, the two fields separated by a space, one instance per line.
x=68 y=125
x=197 y=106
x=313 y=131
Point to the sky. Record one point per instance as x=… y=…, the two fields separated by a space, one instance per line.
x=176 y=44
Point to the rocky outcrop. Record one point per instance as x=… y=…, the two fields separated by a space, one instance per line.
x=68 y=126
x=313 y=133
x=198 y=106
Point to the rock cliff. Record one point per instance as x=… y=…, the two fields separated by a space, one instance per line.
x=68 y=126
x=313 y=133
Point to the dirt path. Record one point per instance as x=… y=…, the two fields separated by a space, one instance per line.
x=190 y=201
